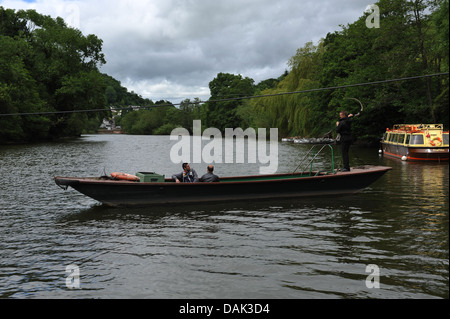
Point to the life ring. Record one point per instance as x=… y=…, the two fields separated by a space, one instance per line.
x=438 y=141
x=125 y=176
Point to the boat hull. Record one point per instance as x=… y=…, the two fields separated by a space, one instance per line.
x=416 y=153
x=127 y=193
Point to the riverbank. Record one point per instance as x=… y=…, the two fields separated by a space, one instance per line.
x=39 y=141
x=106 y=131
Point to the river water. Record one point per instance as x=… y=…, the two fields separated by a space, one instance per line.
x=306 y=248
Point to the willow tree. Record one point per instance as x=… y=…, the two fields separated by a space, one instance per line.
x=290 y=113
x=409 y=42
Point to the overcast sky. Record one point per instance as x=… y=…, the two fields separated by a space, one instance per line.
x=172 y=49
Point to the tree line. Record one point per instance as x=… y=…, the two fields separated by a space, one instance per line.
x=47 y=66
x=412 y=40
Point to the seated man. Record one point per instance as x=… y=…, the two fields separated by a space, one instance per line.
x=188 y=175
x=209 y=176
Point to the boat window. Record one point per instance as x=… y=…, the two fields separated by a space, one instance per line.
x=408 y=138
x=445 y=139
x=385 y=135
x=395 y=139
x=416 y=139
x=391 y=137
x=401 y=138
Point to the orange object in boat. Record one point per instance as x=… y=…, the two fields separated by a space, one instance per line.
x=125 y=176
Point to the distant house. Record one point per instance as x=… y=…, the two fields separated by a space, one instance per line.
x=116 y=110
x=110 y=124
x=107 y=124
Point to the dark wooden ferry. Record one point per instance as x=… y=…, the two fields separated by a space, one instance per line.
x=114 y=192
x=416 y=142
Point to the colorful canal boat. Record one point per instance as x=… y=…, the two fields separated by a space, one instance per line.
x=416 y=142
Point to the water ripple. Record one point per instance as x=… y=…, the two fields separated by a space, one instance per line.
x=309 y=248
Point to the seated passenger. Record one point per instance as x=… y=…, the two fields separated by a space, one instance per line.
x=188 y=175
x=209 y=176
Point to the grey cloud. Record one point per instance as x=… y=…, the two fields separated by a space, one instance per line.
x=185 y=43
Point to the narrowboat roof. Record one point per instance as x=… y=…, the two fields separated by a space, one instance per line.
x=411 y=128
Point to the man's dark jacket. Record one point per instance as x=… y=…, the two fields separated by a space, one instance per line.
x=209 y=177
x=345 y=129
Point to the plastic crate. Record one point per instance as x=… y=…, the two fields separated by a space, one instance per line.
x=150 y=177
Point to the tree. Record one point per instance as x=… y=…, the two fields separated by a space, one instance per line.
x=403 y=46
x=412 y=40
x=291 y=113
x=11 y=25
x=221 y=106
x=18 y=94
x=440 y=49
x=46 y=66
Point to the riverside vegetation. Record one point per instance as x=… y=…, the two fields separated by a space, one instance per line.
x=46 y=66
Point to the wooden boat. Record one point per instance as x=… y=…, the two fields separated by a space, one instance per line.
x=303 y=184
x=416 y=142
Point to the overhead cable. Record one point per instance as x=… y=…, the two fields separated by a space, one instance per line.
x=233 y=98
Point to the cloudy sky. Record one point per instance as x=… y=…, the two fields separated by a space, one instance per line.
x=172 y=49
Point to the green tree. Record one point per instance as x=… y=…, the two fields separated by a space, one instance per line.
x=440 y=49
x=19 y=94
x=221 y=108
x=403 y=46
x=11 y=25
x=190 y=111
x=291 y=114
x=47 y=66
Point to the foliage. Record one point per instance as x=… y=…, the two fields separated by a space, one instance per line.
x=291 y=113
x=223 y=105
x=412 y=40
x=46 y=66
x=163 y=117
x=118 y=96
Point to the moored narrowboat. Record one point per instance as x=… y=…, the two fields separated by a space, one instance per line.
x=416 y=142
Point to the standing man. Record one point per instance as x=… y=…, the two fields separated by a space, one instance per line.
x=188 y=175
x=344 y=128
x=209 y=176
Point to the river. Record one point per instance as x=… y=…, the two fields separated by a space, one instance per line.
x=388 y=242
